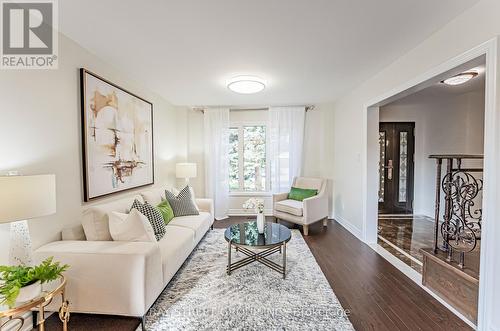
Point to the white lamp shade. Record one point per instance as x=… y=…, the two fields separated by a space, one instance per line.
x=185 y=170
x=25 y=197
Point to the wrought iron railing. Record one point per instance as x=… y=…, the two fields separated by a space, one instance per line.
x=460 y=228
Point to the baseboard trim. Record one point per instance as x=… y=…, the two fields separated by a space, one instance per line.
x=349 y=227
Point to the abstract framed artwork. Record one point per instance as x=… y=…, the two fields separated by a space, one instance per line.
x=117 y=130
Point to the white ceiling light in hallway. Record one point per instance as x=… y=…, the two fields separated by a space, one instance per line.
x=460 y=78
x=246 y=84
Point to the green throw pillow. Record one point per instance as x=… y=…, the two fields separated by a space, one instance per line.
x=300 y=194
x=166 y=211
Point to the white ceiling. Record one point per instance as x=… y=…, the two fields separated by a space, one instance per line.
x=308 y=51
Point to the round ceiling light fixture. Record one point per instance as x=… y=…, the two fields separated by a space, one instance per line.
x=460 y=78
x=246 y=84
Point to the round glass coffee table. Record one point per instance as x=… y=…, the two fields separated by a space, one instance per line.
x=244 y=236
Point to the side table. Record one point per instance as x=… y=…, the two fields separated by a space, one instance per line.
x=39 y=303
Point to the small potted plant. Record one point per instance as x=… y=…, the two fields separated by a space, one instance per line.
x=258 y=206
x=24 y=283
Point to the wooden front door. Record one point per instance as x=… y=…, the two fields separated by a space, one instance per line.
x=396 y=167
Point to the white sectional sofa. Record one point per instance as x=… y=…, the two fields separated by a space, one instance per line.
x=124 y=278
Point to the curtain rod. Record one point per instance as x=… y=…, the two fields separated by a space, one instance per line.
x=202 y=109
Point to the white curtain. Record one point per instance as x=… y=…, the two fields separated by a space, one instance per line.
x=216 y=132
x=286 y=138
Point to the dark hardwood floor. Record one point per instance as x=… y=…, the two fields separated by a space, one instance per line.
x=376 y=294
x=411 y=233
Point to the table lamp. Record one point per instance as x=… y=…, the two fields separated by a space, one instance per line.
x=23 y=198
x=186 y=171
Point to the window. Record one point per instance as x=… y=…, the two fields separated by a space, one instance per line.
x=233 y=159
x=248 y=158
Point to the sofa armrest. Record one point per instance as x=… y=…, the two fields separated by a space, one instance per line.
x=315 y=208
x=108 y=277
x=206 y=205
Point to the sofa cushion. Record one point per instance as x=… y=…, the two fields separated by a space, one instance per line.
x=130 y=227
x=183 y=204
x=198 y=223
x=289 y=206
x=95 y=218
x=175 y=247
x=155 y=195
x=73 y=233
x=154 y=216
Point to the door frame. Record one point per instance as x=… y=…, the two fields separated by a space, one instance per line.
x=487 y=298
x=408 y=209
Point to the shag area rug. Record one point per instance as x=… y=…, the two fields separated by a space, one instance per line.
x=201 y=296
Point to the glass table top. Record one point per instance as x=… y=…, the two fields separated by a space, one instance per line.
x=247 y=234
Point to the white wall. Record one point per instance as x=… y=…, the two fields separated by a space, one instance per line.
x=193 y=128
x=319 y=146
x=444 y=124
x=472 y=28
x=40 y=133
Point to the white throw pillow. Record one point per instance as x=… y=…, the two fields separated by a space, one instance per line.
x=130 y=227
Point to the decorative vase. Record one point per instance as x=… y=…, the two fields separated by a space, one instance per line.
x=29 y=292
x=260 y=222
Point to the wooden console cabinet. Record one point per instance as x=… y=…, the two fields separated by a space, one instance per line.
x=458 y=287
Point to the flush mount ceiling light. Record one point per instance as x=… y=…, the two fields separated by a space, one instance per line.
x=246 y=84
x=460 y=78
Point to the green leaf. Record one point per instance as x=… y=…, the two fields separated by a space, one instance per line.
x=13 y=278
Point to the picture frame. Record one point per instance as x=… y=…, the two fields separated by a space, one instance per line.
x=117 y=138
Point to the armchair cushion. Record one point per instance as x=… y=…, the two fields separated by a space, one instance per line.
x=279 y=197
x=290 y=206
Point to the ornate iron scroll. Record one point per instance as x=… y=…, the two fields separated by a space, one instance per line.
x=461 y=226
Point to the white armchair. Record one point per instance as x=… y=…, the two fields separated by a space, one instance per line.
x=304 y=212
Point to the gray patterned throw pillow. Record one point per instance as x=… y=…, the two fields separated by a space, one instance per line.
x=154 y=217
x=182 y=204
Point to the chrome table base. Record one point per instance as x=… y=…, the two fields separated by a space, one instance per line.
x=260 y=257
